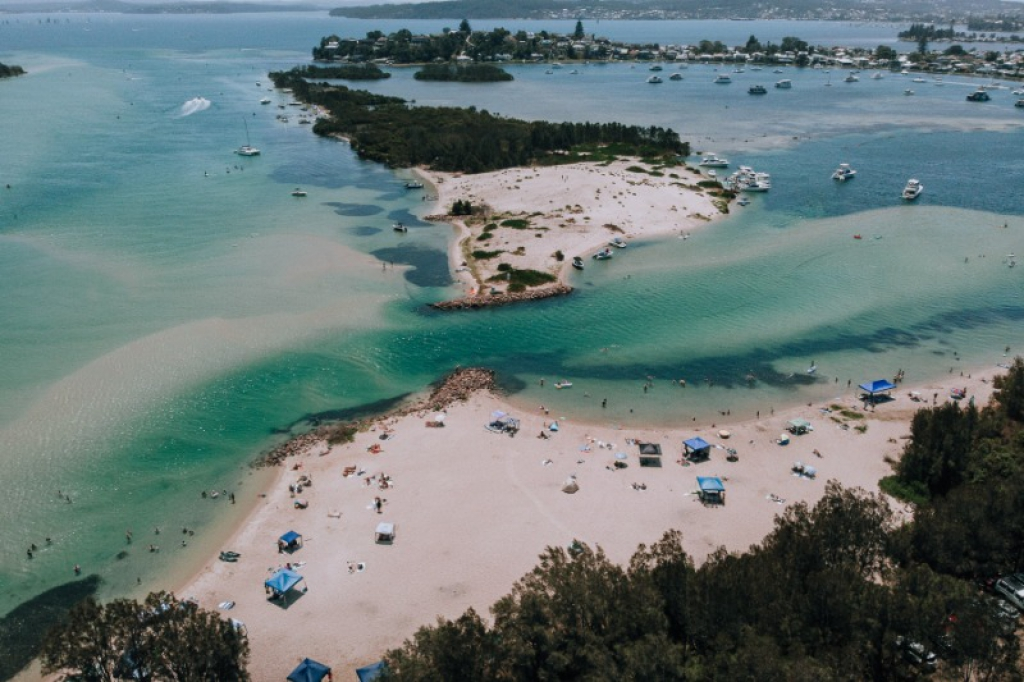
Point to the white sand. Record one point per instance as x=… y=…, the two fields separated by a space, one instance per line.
x=575 y=209
x=474 y=509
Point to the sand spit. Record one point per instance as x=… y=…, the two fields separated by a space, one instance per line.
x=473 y=508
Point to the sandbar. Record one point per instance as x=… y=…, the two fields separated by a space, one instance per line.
x=574 y=209
x=473 y=510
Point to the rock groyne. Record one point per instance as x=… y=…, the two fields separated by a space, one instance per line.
x=456 y=387
x=494 y=300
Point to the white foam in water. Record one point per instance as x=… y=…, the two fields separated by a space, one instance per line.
x=194 y=106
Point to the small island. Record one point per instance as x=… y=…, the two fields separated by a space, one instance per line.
x=349 y=72
x=10 y=71
x=529 y=198
x=469 y=73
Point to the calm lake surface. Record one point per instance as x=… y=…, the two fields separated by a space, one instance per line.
x=168 y=310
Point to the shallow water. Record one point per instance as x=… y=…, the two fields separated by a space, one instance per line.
x=169 y=309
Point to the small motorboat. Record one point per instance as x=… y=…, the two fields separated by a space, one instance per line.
x=813 y=368
x=603 y=254
x=844 y=173
x=265 y=100
x=414 y=185
x=743 y=201
x=399 y=227
x=298 y=192
x=618 y=243
x=577 y=262
x=857 y=236
x=230 y=557
x=757 y=90
x=563 y=384
x=912 y=190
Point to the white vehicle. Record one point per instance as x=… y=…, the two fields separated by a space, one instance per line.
x=1011 y=588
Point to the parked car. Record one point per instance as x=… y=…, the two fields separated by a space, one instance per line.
x=1006 y=615
x=917 y=654
x=1011 y=588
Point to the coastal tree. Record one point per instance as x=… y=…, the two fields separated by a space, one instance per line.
x=885 y=53
x=161 y=638
x=578 y=34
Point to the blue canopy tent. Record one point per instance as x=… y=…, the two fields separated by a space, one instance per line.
x=371 y=672
x=289 y=542
x=712 y=490
x=696 y=448
x=309 y=671
x=877 y=387
x=282 y=581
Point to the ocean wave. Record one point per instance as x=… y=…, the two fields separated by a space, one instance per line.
x=194 y=105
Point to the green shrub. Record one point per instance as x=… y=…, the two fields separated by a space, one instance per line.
x=516 y=223
x=486 y=255
x=908 y=492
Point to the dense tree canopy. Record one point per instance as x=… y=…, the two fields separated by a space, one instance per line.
x=387 y=129
x=7 y=71
x=469 y=73
x=160 y=639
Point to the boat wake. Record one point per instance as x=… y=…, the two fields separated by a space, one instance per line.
x=194 y=106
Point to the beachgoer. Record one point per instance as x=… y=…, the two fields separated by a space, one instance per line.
x=78 y=570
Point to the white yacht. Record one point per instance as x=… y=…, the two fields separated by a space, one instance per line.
x=247 y=149
x=912 y=190
x=784 y=84
x=877 y=76
x=722 y=79
x=844 y=173
x=676 y=77
x=712 y=161
x=654 y=79
x=851 y=79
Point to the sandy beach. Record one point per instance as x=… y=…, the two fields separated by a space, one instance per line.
x=575 y=209
x=473 y=509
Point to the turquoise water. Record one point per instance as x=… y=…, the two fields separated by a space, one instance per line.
x=169 y=310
